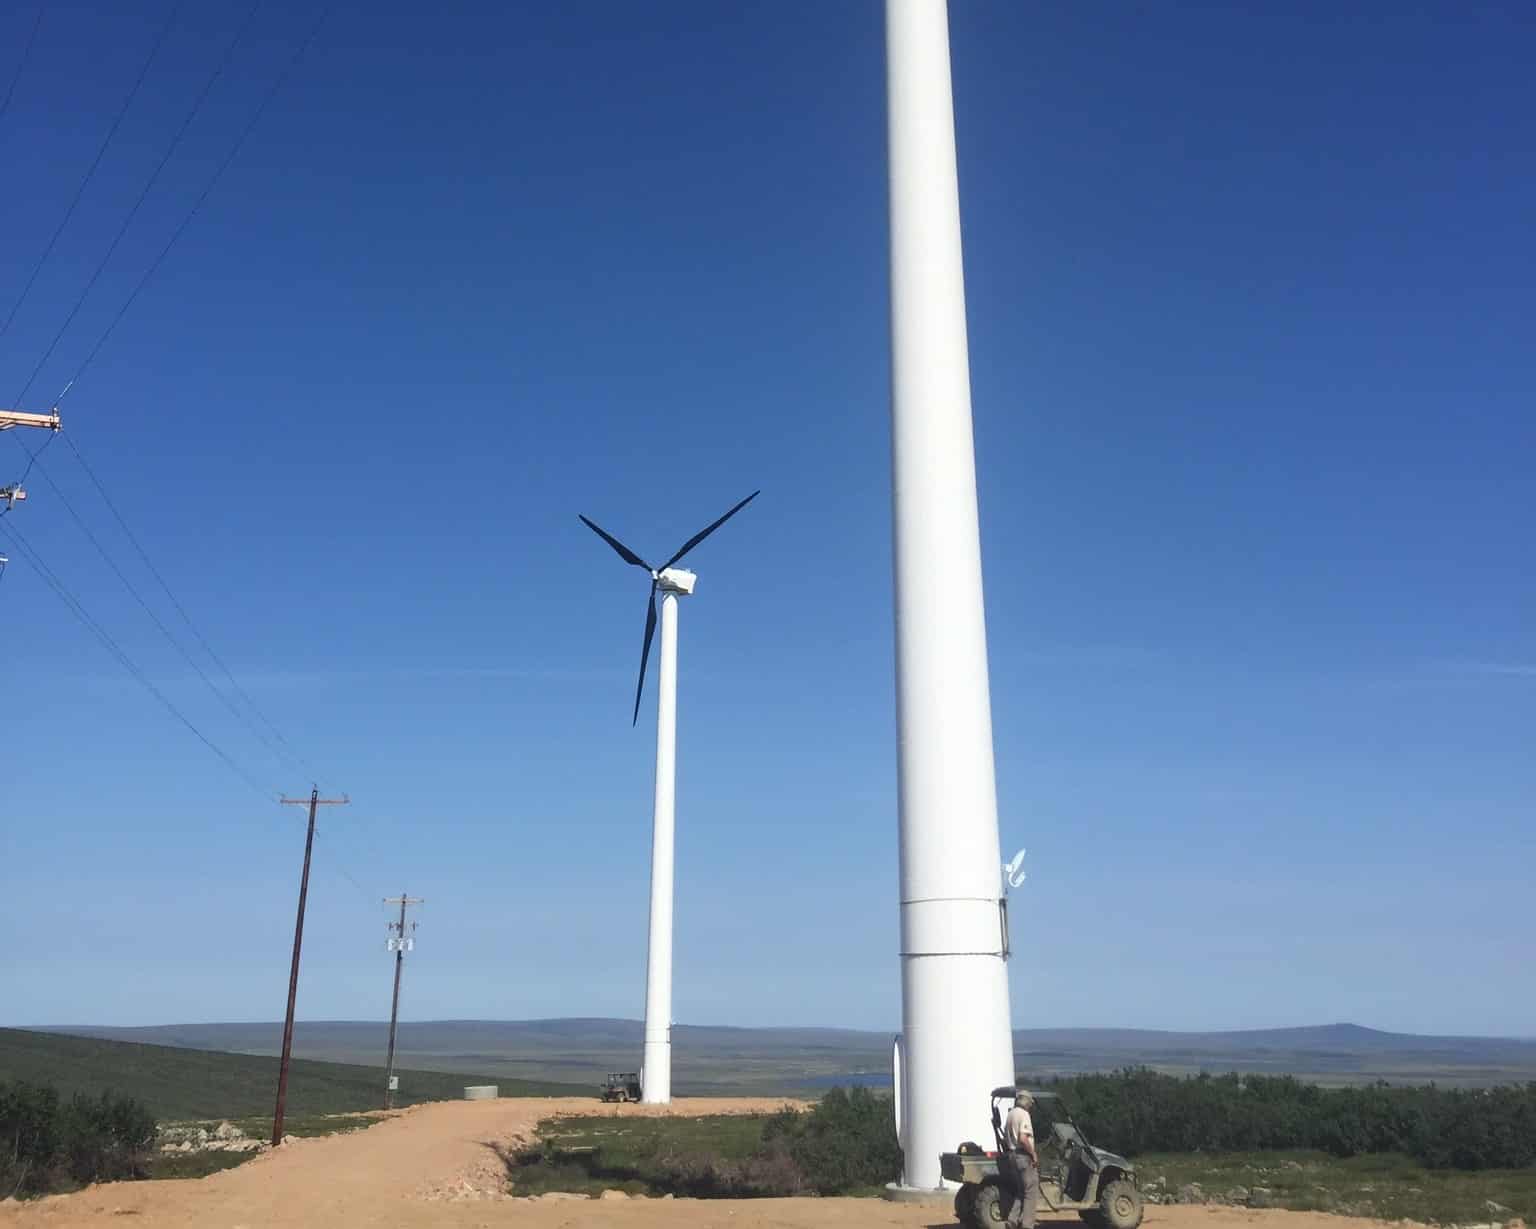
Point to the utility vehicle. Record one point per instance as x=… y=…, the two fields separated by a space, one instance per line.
x=621 y=1086
x=1074 y=1175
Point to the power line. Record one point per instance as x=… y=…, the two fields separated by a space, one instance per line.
x=186 y=123
x=32 y=459
x=89 y=174
x=198 y=204
x=347 y=875
x=284 y=747
x=340 y=836
x=155 y=618
x=26 y=54
x=116 y=650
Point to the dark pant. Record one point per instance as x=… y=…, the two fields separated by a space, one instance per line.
x=1023 y=1176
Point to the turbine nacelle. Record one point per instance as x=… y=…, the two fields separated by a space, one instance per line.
x=676 y=580
x=667 y=579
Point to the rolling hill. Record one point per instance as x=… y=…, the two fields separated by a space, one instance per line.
x=179 y=1083
x=712 y=1059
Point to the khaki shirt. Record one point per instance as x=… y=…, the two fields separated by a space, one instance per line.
x=1018 y=1127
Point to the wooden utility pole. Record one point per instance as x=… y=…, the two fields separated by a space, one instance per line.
x=298 y=942
x=399 y=943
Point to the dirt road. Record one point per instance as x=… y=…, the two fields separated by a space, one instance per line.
x=439 y=1165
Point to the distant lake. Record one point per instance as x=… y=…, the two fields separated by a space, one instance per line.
x=853 y=1079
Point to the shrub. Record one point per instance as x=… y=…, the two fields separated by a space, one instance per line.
x=1137 y=1110
x=769 y=1173
x=48 y=1145
x=847 y=1142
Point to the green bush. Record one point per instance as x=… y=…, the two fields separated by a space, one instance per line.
x=47 y=1144
x=1138 y=1110
x=767 y=1174
x=846 y=1143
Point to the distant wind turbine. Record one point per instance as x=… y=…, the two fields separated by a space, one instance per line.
x=672 y=583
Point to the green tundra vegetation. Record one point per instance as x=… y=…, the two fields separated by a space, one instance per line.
x=1428 y=1154
x=1139 y=1111
x=1425 y=1153
x=845 y=1145
x=1379 y=1186
x=179 y=1084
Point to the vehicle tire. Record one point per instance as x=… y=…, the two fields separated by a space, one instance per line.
x=1120 y=1205
x=965 y=1203
x=988 y=1209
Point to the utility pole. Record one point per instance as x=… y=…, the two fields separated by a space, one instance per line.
x=399 y=943
x=298 y=941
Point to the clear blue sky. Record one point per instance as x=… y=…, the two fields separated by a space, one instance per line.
x=1251 y=301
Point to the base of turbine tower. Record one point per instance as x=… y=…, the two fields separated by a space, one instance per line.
x=656 y=1074
x=941 y=1197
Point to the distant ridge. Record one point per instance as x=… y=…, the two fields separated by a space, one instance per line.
x=1352 y=1037
x=1308 y=1036
x=718 y=1059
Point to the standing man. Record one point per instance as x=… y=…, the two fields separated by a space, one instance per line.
x=1021 y=1161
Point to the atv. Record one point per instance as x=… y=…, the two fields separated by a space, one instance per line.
x=1074 y=1175
x=621 y=1086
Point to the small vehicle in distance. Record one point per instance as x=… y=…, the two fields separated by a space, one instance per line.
x=1074 y=1175
x=621 y=1086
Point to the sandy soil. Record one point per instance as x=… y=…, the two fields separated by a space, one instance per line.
x=439 y=1165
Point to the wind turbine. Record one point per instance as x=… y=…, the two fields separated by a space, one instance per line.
x=672 y=583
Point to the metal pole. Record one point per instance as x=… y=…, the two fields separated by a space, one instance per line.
x=956 y=1041
x=293 y=979
x=656 y=1075
x=394 y=1013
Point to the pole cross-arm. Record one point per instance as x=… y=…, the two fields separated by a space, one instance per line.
x=15 y=418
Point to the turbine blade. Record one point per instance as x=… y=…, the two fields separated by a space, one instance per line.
x=704 y=533
x=625 y=553
x=645 y=652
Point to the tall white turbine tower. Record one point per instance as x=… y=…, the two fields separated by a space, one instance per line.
x=956 y=1040
x=672 y=583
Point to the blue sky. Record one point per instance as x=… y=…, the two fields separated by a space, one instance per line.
x=1250 y=295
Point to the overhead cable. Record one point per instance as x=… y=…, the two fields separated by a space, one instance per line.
x=77 y=608
x=90 y=173
x=283 y=747
x=154 y=618
x=154 y=177
x=21 y=64
x=198 y=204
x=32 y=459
